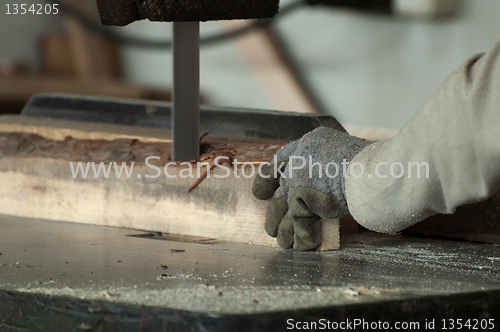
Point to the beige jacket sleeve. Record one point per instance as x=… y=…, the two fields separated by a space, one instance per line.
x=457 y=133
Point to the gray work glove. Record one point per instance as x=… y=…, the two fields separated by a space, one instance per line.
x=300 y=201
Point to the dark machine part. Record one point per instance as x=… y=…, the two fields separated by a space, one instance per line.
x=380 y=6
x=186 y=15
x=153 y=114
x=186 y=94
x=123 y=12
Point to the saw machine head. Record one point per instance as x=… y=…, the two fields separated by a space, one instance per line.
x=123 y=12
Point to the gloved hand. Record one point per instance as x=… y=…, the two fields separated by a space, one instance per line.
x=301 y=196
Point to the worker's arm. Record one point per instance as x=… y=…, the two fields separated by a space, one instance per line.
x=457 y=133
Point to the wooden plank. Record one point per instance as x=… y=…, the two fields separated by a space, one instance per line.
x=222 y=209
x=38 y=182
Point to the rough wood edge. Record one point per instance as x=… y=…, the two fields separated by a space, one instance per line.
x=58 y=129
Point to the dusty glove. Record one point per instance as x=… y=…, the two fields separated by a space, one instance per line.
x=301 y=196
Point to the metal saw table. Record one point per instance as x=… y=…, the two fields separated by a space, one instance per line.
x=70 y=277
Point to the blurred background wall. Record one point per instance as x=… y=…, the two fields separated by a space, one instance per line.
x=368 y=69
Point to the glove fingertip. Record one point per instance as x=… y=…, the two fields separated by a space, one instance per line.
x=262 y=189
x=308 y=234
x=276 y=211
x=272 y=231
x=286 y=234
